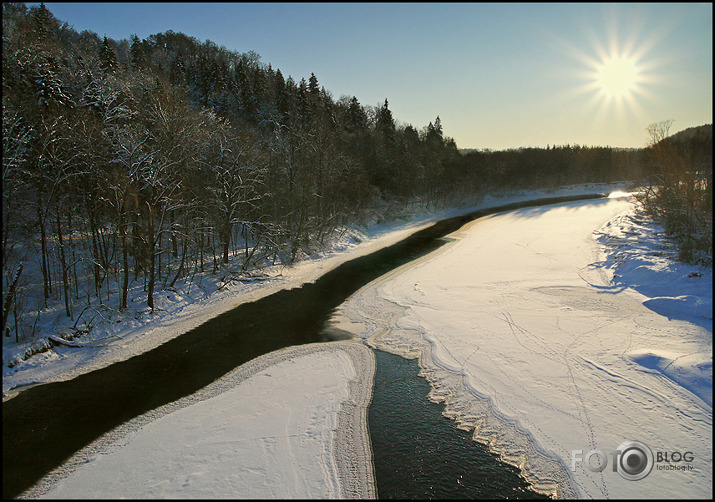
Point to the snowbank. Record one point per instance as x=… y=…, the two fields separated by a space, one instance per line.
x=640 y=256
x=523 y=331
x=290 y=424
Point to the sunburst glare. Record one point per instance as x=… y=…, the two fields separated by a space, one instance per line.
x=617 y=76
x=613 y=81
x=614 y=71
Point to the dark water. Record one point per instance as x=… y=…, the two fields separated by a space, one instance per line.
x=43 y=425
x=420 y=454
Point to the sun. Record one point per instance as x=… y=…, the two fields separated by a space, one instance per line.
x=611 y=75
x=616 y=76
x=614 y=80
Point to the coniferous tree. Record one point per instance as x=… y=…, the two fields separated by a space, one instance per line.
x=138 y=58
x=107 y=56
x=43 y=23
x=356 y=119
x=313 y=87
x=385 y=124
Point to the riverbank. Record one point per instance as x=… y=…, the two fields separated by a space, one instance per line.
x=544 y=331
x=289 y=424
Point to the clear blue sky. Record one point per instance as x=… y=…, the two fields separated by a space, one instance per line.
x=498 y=75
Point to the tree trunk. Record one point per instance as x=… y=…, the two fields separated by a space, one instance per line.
x=6 y=225
x=47 y=285
x=11 y=298
x=95 y=256
x=245 y=243
x=181 y=265
x=125 y=262
x=136 y=239
x=213 y=252
x=226 y=240
x=174 y=245
x=159 y=245
x=152 y=259
x=63 y=265
x=72 y=254
x=201 y=249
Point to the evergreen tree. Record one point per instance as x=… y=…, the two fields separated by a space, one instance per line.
x=355 y=119
x=259 y=93
x=138 y=58
x=433 y=138
x=313 y=87
x=438 y=126
x=107 y=56
x=281 y=94
x=303 y=104
x=43 y=23
x=385 y=124
x=177 y=73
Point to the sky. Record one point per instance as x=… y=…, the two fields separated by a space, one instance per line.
x=501 y=75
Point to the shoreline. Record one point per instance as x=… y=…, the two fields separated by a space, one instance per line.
x=471 y=412
x=351 y=448
x=149 y=331
x=474 y=413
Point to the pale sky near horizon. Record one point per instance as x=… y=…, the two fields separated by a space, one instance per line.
x=498 y=75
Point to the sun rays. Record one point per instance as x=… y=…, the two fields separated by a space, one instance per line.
x=615 y=81
x=613 y=70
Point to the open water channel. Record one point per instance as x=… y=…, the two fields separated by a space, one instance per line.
x=44 y=425
x=420 y=454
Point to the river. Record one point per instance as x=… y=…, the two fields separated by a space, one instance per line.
x=45 y=424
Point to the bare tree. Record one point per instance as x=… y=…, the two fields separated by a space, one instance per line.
x=236 y=165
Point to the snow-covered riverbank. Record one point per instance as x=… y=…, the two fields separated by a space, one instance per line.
x=289 y=424
x=539 y=332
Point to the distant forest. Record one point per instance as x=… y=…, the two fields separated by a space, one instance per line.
x=149 y=160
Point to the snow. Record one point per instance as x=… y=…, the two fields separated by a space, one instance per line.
x=556 y=329
x=267 y=430
x=535 y=326
x=647 y=263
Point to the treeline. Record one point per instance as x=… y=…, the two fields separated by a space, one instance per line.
x=550 y=167
x=153 y=160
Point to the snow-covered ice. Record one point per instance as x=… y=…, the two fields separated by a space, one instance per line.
x=537 y=329
x=290 y=424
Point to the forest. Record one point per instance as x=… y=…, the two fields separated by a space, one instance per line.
x=149 y=161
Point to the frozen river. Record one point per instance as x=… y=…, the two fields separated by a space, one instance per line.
x=524 y=331
x=553 y=334
x=36 y=438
